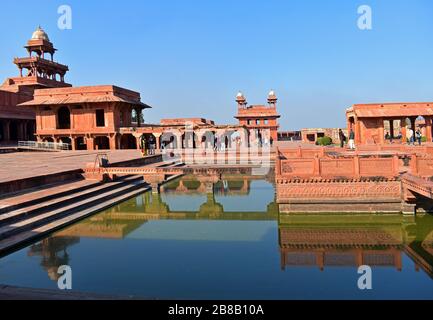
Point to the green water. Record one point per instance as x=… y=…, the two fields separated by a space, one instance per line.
x=226 y=240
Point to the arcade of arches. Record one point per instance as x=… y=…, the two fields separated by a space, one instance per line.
x=13 y=130
x=384 y=123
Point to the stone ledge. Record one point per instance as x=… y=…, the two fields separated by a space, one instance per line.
x=18 y=293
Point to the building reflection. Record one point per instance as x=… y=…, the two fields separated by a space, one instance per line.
x=121 y=220
x=320 y=241
x=352 y=241
x=54 y=253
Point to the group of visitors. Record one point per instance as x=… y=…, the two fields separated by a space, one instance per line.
x=343 y=139
x=219 y=144
x=414 y=136
x=148 y=146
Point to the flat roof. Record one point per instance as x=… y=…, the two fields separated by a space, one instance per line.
x=400 y=109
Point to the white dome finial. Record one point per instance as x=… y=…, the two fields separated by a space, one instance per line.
x=40 y=34
x=272 y=92
x=240 y=94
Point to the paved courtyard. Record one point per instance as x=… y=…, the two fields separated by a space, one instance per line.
x=21 y=165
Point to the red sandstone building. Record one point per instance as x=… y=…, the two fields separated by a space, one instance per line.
x=371 y=122
x=36 y=72
x=87 y=118
x=261 y=120
x=109 y=117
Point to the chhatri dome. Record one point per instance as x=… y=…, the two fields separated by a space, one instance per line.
x=40 y=34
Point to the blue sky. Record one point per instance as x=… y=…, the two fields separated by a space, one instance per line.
x=188 y=58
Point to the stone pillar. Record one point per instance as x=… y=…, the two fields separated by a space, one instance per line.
x=179 y=141
x=189 y=140
x=73 y=143
x=391 y=128
x=118 y=141
x=138 y=143
x=113 y=142
x=381 y=131
x=90 y=143
x=158 y=140
x=428 y=129
x=197 y=136
x=357 y=131
x=403 y=126
x=137 y=137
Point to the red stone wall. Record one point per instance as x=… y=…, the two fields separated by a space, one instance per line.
x=353 y=167
x=8 y=105
x=83 y=121
x=338 y=190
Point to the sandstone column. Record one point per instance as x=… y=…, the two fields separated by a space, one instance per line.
x=113 y=142
x=90 y=141
x=428 y=129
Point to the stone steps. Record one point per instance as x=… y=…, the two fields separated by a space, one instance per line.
x=38 y=195
x=18 y=227
x=30 y=230
x=57 y=200
x=27 y=223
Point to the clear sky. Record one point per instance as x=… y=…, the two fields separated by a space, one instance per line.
x=188 y=58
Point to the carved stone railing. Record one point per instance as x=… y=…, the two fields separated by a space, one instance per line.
x=348 y=167
x=44 y=146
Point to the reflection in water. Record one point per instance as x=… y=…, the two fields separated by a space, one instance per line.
x=53 y=253
x=376 y=241
x=303 y=242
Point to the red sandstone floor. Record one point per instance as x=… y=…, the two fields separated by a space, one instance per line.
x=21 y=165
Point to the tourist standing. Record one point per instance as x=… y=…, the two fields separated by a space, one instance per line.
x=143 y=145
x=400 y=136
x=410 y=137
x=342 y=138
x=388 y=136
x=419 y=136
x=152 y=145
x=215 y=143
x=352 y=140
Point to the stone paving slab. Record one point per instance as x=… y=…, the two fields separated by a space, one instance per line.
x=22 y=165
